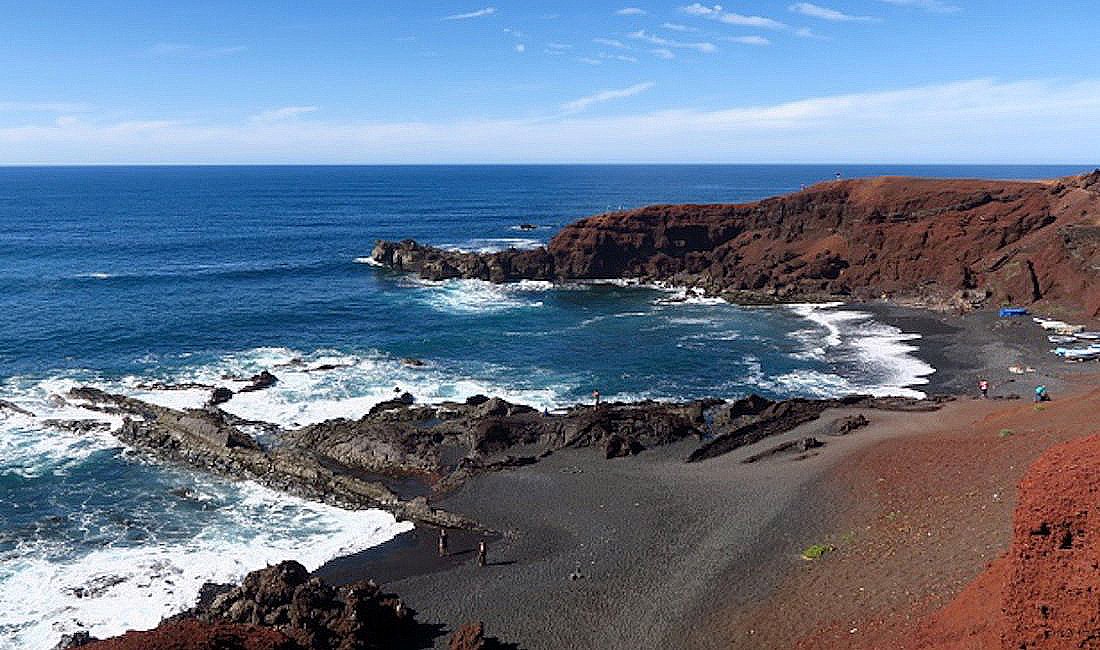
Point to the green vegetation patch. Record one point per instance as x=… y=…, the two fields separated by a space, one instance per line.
x=816 y=551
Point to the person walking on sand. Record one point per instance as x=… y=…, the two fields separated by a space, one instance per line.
x=442 y=542
x=481 y=553
x=596 y=397
x=983 y=388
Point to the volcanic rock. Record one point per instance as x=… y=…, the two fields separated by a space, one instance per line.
x=219 y=395
x=942 y=243
x=260 y=381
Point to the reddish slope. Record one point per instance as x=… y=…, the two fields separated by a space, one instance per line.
x=1046 y=592
x=1013 y=242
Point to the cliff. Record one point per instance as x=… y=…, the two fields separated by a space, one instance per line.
x=946 y=243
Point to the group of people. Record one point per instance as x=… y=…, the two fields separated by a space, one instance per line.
x=444 y=541
x=1041 y=394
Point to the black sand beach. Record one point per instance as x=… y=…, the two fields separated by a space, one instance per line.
x=636 y=552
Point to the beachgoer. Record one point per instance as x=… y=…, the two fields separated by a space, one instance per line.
x=442 y=542
x=596 y=396
x=1041 y=394
x=481 y=553
x=983 y=388
x=397 y=389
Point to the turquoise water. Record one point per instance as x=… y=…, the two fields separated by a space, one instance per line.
x=123 y=275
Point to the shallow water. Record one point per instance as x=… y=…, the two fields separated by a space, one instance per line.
x=120 y=276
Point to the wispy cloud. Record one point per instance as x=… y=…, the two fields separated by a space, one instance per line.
x=933 y=6
x=630 y=11
x=521 y=48
x=578 y=105
x=165 y=49
x=677 y=27
x=642 y=35
x=663 y=53
x=748 y=40
x=618 y=57
x=487 y=11
x=587 y=60
x=730 y=18
x=975 y=121
x=610 y=42
x=825 y=13
x=284 y=113
x=559 y=46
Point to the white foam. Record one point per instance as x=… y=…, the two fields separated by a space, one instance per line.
x=493 y=244
x=478 y=296
x=141 y=585
x=95 y=276
x=369 y=261
x=883 y=352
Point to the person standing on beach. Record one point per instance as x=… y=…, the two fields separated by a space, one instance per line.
x=442 y=542
x=983 y=388
x=481 y=553
x=596 y=396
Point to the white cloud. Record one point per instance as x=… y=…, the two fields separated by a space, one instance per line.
x=618 y=57
x=933 y=6
x=610 y=42
x=487 y=11
x=284 y=113
x=642 y=35
x=748 y=40
x=521 y=48
x=587 y=60
x=662 y=53
x=578 y=105
x=975 y=121
x=630 y=11
x=825 y=13
x=559 y=46
x=730 y=18
x=677 y=27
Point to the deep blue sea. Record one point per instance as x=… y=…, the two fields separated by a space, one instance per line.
x=118 y=276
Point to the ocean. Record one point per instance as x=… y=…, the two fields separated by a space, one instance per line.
x=121 y=277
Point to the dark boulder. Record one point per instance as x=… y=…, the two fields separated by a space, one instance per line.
x=260 y=381
x=219 y=395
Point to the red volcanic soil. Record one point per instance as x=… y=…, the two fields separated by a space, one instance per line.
x=936 y=547
x=1045 y=592
x=190 y=634
x=927 y=239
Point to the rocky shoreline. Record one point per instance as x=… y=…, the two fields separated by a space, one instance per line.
x=352 y=464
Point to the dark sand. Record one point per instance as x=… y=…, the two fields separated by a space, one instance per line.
x=644 y=552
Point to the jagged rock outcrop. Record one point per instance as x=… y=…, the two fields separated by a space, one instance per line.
x=945 y=243
x=282 y=607
x=208 y=439
x=448 y=439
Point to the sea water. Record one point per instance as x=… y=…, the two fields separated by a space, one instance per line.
x=122 y=276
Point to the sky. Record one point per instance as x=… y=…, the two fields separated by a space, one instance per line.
x=549 y=81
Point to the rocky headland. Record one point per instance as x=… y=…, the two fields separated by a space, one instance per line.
x=957 y=244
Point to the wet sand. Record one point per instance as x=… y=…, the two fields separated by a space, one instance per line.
x=649 y=552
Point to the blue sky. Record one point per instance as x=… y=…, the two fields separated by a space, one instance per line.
x=549 y=81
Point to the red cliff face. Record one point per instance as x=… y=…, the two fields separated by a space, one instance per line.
x=934 y=240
